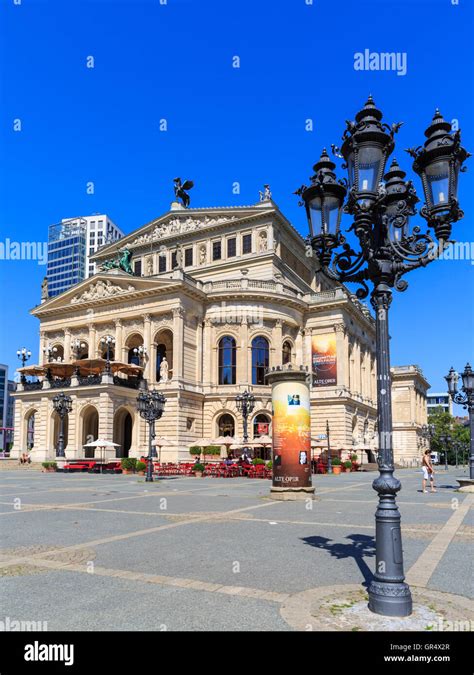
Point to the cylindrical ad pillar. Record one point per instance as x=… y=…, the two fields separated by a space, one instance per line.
x=291 y=428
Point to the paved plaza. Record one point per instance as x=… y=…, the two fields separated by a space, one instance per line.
x=91 y=552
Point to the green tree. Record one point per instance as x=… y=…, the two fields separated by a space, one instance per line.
x=446 y=424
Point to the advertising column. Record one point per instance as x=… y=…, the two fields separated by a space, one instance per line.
x=291 y=433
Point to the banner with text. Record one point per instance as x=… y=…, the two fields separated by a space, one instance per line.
x=324 y=360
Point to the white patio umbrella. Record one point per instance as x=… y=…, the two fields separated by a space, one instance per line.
x=225 y=440
x=202 y=443
x=102 y=443
x=159 y=442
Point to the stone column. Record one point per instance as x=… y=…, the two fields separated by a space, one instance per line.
x=67 y=345
x=199 y=349
x=342 y=355
x=299 y=346
x=206 y=355
x=147 y=344
x=42 y=347
x=118 y=339
x=92 y=341
x=243 y=353
x=277 y=339
x=178 y=342
x=357 y=369
x=291 y=451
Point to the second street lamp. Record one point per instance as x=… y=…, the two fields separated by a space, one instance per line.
x=445 y=440
x=387 y=250
x=245 y=405
x=150 y=405
x=63 y=406
x=465 y=397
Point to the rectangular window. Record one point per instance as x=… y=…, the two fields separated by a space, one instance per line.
x=188 y=257
x=216 y=250
x=174 y=261
x=138 y=268
x=162 y=263
x=231 y=247
x=247 y=243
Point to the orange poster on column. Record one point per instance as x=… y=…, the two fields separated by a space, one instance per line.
x=291 y=435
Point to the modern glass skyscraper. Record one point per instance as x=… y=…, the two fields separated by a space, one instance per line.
x=70 y=243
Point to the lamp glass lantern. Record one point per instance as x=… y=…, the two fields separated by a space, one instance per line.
x=468 y=378
x=324 y=199
x=452 y=380
x=366 y=148
x=438 y=164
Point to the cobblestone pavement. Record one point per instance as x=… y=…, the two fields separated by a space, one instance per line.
x=91 y=552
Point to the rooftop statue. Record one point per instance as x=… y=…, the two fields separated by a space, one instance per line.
x=179 y=191
x=121 y=262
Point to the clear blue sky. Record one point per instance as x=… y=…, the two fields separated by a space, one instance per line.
x=174 y=61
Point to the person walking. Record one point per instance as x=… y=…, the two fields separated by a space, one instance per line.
x=428 y=472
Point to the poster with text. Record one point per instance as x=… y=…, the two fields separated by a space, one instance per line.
x=291 y=435
x=324 y=360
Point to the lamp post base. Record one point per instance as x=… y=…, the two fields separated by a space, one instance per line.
x=390 y=599
x=291 y=493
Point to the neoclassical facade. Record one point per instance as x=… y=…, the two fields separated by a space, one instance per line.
x=409 y=405
x=218 y=295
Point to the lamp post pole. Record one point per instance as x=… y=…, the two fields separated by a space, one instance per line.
x=63 y=406
x=445 y=439
x=465 y=397
x=108 y=341
x=329 y=448
x=381 y=205
x=151 y=406
x=245 y=405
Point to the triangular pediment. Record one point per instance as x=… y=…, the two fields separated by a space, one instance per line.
x=176 y=223
x=104 y=288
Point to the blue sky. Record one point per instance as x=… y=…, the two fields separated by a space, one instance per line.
x=225 y=124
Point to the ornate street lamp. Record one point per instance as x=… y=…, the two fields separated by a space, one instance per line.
x=465 y=397
x=445 y=440
x=63 y=406
x=107 y=342
x=150 y=405
x=245 y=405
x=428 y=431
x=381 y=205
x=140 y=352
x=77 y=347
x=50 y=353
x=24 y=355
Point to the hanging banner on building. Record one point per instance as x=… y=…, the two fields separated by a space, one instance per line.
x=291 y=434
x=324 y=360
x=262 y=428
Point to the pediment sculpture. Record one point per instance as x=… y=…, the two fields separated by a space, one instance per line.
x=101 y=289
x=180 y=226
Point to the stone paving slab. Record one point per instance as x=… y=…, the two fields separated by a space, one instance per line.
x=94 y=603
x=216 y=538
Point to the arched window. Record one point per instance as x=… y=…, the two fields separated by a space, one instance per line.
x=227 y=360
x=286 y=352
x=226 y=425
x=261 y=425
x=259 y=359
